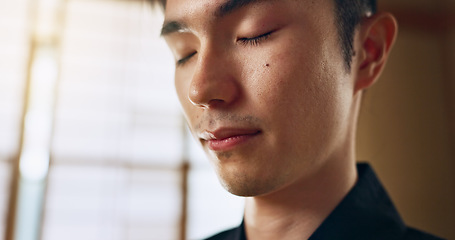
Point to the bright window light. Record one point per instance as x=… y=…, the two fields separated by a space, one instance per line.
x=34 y=160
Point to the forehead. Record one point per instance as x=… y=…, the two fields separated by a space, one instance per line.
x=181 y=13
x=194 y=9
x=185 y=15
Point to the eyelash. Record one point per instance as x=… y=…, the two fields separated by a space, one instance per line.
x=182 y=61
x=254 y=41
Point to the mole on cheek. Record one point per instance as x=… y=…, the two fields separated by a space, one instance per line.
x=267 y=64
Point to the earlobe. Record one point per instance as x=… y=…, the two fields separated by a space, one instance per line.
x=375 y=38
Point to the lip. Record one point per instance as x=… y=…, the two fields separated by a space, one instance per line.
x=225 y=139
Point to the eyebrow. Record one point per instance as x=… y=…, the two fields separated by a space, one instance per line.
x=231 y=6
x=225 y=9
x=172 y=27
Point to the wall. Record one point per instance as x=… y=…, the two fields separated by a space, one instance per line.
x=406 y=127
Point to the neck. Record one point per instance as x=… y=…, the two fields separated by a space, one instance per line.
x=297 y=210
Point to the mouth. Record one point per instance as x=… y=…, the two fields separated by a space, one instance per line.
x=226 y=139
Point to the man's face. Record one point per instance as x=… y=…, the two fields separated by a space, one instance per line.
x=263 y=87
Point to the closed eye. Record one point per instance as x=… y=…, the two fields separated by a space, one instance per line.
x=182 y=61
x=254 y=41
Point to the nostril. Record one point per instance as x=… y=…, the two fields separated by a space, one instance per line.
x=215 y=103
x=210 y=104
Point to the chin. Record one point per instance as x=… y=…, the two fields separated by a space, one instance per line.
x=247 y=186
x=241 y=191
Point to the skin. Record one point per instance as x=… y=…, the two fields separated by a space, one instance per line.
x=287 y=92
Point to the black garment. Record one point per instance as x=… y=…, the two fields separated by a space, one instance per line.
x=366 y=213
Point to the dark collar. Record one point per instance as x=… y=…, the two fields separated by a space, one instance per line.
x=365 y=213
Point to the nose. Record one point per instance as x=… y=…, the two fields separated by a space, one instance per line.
x=213 y=83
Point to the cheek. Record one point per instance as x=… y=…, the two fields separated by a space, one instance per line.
x=297 y=93
x=182 y=88
x=286 y=82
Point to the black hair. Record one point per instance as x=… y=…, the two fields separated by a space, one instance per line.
x=349 y=14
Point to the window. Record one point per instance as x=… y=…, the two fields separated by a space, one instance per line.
x=120 y=150
x=14 y=48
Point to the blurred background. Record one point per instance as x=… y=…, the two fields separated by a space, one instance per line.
x=93 y=144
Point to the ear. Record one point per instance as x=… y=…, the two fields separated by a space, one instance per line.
x=375 y=38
